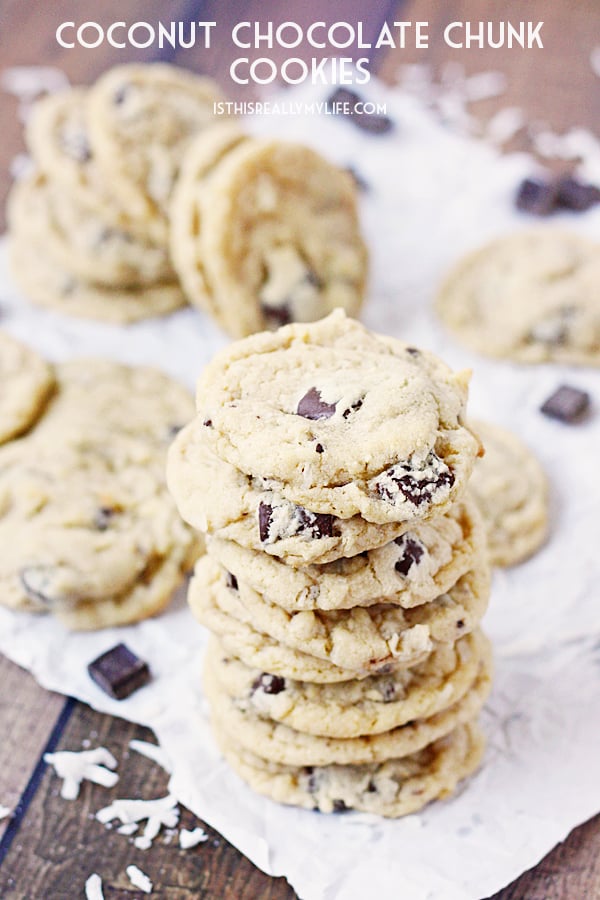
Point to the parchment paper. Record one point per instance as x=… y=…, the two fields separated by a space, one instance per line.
x=432 y=195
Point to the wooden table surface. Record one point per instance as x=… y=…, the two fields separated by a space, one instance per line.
x=50 y=846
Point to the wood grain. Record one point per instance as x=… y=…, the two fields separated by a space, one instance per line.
x=27 y=715
x=58 y=844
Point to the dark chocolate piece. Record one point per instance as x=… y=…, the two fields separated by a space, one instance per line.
x=416 y=490
x=319 y=448
x=319 y=525
x=231 y=581
x=536 y=197
x=312 y=407
x=371 y=122
x=412 y=553
x=276 y=315
x=356 y=405
x=264 y=520
x=119 y=672
x=575 y=195
x=269 y=684
x=567 y=404
x=339 y=806
x=103 y=517
x=388 y=691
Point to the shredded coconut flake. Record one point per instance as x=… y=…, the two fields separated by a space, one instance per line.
x=504 y=125
x=5 y=811
x=90 y=765
x=188 y=839
x=130 y=828
x=93 y=888
x=595 y=61
x=139 y=879
x=29 y=82
x=484 y=86
x=158 y=813
x=153 y=752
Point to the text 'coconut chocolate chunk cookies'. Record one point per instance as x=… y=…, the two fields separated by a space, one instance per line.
x=347 y=568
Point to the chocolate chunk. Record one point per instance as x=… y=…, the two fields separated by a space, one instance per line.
x=207 y=423
x=388 y=691
x=264 y=520
x=418 y=485
x=342 y=97
x=536 y=197
x=319 y=448
x=312 y=407
x=575 y=195
x=231 y=581
x=356 y=405
x=339 y=806
x=269 y=684
x=460 y=623
x=103 y=517
x=412 y=553
x=276 y=315
x=567 y=404
x=413 y=351
x=371 y=787
x=371 y=122
x=319 y=525
x=119 y=672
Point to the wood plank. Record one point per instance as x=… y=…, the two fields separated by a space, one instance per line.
x=27 y=716
x=60 y=843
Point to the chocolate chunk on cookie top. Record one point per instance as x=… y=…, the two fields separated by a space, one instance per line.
x=338 y=422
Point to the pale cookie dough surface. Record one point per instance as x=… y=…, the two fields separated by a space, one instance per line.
x=415 y=568
x=279 y=743
x=215 y=497
x=533 y=296
x=239 y=638
x=393 y=788
x=141 y=121
x=340 y=420
x=354 y=708
x=47 y=284
x=137 y=400
x=80 y=241
x=278 y=236
x=358 y=638
x=57 y=137
x=88 y=530
x=26 y=382
x=185 y=222
x=511 y=490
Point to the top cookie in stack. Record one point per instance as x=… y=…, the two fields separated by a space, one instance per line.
x=346 y=572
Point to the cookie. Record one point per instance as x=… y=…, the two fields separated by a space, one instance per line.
x=353 y=709
x=239 y=638
x=414 y=568
x=530 y=296
x=215 y=497
x=88 y=529
x=26 y=383
x=58 y=139
x=137 y=400
x=281 y=744
x=47 y=284
x=355 y=639
x=340 y=421
x=141 y=120
x=203 y=154
x=275 y=236
x=511 y=490
x=80 y=241
x=396 y=787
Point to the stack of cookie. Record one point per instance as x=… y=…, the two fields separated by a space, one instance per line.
x=88 y=531
x=265 y=232
x=89 y=226
x=346 y=571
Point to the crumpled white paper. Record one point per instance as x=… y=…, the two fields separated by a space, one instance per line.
x=432 y=195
